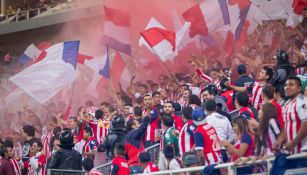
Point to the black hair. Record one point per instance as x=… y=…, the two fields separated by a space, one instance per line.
x=29 y=130
x=169 y=152
x=144 y=86
x=127 y=100
x=170 y=102
x=211 y=88
x=269 y=72
x=295 y=78
x=36 y=140
x=268 y=91
x=3 y=150
x=8 y=143
x=155 y=93
x=99 y=114
x=119 y=149
x=177 y=107
x=167 y=120
x=88 y=164
x=187 y=112
x=129 y=124
x=88 y=129
x=193 y=99
x=210 y=105
x=144 y=157
x=56 y=130
x=137 y=111
x=185 y=85
x=242 y=98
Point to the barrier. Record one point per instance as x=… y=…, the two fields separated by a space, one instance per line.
x=64 y=172
x=232 y=168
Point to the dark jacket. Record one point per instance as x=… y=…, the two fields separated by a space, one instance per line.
x=66 y=159
x=115 y=136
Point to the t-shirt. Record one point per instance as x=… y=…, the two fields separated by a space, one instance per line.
x=170 y=138
x=119 y=166
x=248 y=139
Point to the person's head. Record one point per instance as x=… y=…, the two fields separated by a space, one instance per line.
x=210 y=106
x=187 y=113
x=144 y=158
x=169 y=152
x=183 y=87
x=99 y=114
x=72 y=122
x=109 y=110
x=49 y=126
x=168 y=107
x=278 y=95
x=127 y=109
x=241 y=69
x=154 y=87
x=293 y=87
x=87 y=133
x=223 y=86
x=240 y=125
x=143 y=89
x=119 y=150
x=190 y=160
x=167 y=120
x=185 y=94
x=118 y=121
x=88 y=164
x=132 y=124
x=156 y=98
x=28 y=131
x=137 y=111
x=10 y=148
x=304 y=12
x=198 y=116
x=4 y=152
x=194 y=100
x=147 y=101
x=89 y=103
x=208 y=92
x=66 y=140
x=265 y=74
x=163 y=79
x=35 y=146
x=241 y=100
x=104 y=105
x=56 y=142
x=215 y=73
x=177 y=107
x=268 y=93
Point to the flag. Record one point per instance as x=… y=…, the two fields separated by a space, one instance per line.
x=116 y=30
x=82 y=58
x=160 y=41
x=238 y=11
x=295 y=14
x=207 y=17
x=31 y=54
x=100 y=65
x=274 y=9
x=47 y=77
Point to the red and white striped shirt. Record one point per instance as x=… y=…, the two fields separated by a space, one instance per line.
x=256 y=89
x=271 y=137
x=16 y=166
x=37 y=164
x=186 y=141
x=209 y=79
x=153 y=125
x=46 y=139
x=294 y=114
x=100 y=129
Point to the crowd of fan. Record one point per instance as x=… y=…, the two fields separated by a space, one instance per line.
x=207 y=118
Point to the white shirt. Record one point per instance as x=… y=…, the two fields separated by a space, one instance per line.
x=222 y=126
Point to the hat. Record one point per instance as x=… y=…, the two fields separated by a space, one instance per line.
x=198 y=116
x=190 y=159
x=241 y=68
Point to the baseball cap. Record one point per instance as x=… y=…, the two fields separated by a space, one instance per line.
x=190 y=159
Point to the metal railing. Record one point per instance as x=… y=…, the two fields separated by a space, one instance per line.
x=64 y=172
x=232 y=168
x=154 y=155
